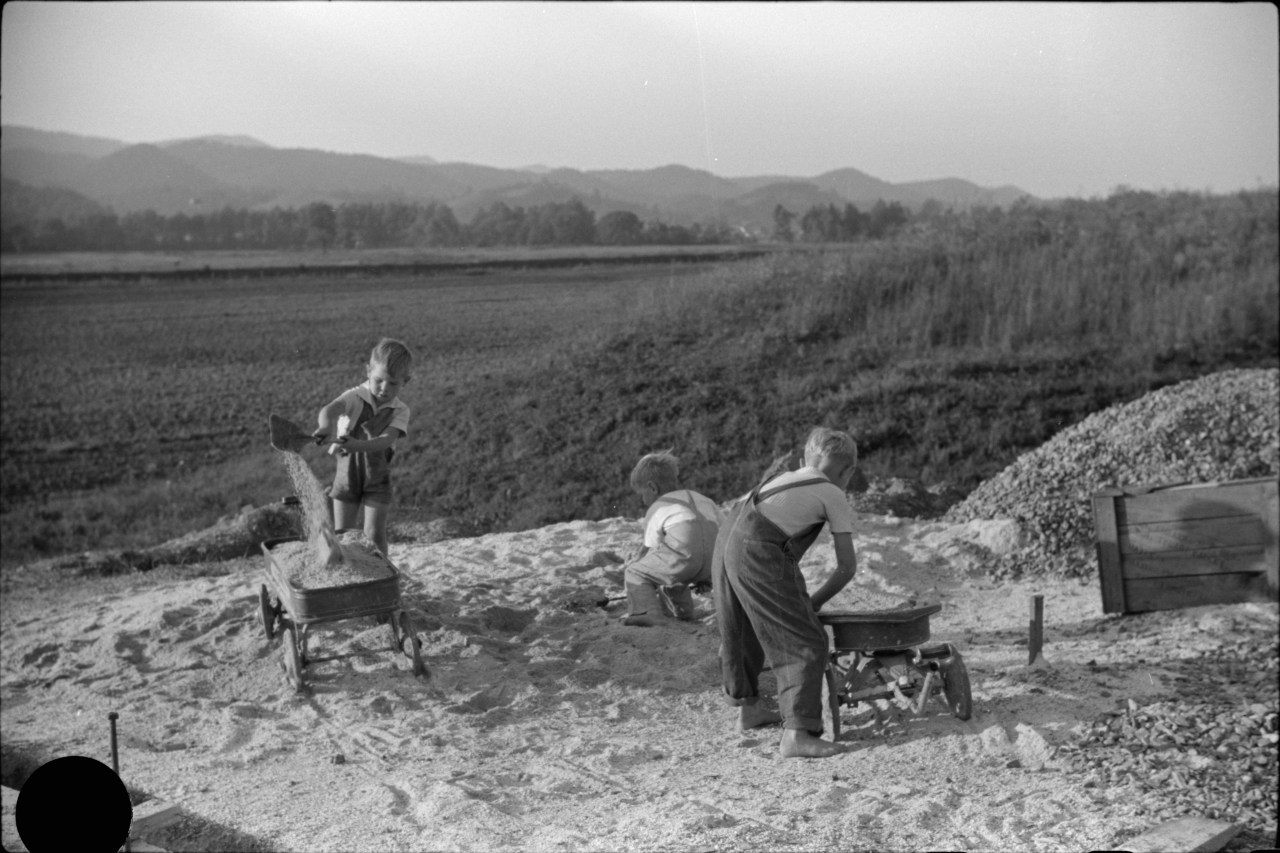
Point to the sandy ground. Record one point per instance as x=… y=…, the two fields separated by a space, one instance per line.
x=547 y=725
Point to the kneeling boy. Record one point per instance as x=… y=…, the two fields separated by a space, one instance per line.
x=680 y=530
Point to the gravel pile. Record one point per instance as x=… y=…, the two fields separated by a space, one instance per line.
x=1212 y=752
x=1225 y=426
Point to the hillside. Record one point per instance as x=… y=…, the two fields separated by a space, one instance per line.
x=241 y=171
x=949 y=350
x=22 y=202
x=15 y=137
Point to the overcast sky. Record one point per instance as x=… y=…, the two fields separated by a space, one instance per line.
x=1055 y=98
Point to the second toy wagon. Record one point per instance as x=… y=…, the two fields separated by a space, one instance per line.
x=884 y=654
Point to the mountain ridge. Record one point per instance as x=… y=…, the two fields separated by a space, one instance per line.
x=240 y=171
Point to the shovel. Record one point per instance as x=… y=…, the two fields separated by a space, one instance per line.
x=288 y=436
x=327 y=548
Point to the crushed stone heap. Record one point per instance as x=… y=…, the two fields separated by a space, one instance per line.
x=1224 y=426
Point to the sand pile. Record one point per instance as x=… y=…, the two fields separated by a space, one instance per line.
x=549 y=726
x=1225 y=426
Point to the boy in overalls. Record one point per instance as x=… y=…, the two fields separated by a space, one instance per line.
x=680 y=530
x=762 y=604
x=374 y=419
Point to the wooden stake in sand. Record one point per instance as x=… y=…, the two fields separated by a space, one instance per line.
x=1035 y=643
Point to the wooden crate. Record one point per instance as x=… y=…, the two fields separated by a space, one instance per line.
x=1186 y=544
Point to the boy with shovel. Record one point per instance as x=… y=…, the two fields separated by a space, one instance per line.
x=362 y=425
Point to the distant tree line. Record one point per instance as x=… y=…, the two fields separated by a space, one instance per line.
x=829 y=224
x=368 y=225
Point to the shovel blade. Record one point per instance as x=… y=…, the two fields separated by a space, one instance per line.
x=327 y=548
x=288 y=436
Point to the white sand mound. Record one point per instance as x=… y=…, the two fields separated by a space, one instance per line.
x=547 y=725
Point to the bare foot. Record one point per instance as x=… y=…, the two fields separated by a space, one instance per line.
x=798 y=743
x=754 y=716
x=638 y=620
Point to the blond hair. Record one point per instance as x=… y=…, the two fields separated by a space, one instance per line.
x=661 y=468
x=392 y=355
x=831 y=444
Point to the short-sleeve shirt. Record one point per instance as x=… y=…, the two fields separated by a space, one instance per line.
x=796 y=510
x=353 y=400
x=667 y=518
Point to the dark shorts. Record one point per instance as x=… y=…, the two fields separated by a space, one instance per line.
x=354 y=482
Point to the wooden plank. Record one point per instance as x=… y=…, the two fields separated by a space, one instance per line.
x=1193 y=534
x=1174 y=592
x=1247 y=559
x=8 y=825
x=1108 y=545
x=138 y=846
x=152 y=815
x=1184 y=835
x=1271 y=524
x=1243 y=497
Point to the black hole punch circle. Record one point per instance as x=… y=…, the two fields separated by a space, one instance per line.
x=73 y=803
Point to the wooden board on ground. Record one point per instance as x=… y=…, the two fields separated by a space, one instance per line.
x=152 y=815
x=147 y=818
x=1182 y=545
x=136 y=846
x=1184 y=835
x=8 y=826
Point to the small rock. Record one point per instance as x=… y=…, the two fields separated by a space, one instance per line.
x=338 y=758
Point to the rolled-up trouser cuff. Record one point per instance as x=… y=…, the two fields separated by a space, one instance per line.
x=807 y=723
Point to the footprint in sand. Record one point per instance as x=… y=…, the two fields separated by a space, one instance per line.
x=126 y=646
x=42 y=656
x=401 y=801
x=254 y=712
x=630 y=755
x=241 y=734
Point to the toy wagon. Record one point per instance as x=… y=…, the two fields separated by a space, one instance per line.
x=293 y=610
x=882 y=655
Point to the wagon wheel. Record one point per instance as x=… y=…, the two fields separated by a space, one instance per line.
x=833 y=701
x=266 y=613
x=415 y=646
x=292 y=660
x=955 y=685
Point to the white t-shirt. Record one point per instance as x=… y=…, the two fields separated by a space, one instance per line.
x=353 y=397
x=796 y=510
x=666 y=520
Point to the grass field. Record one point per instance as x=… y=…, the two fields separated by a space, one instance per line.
x=135 y=412
x=49 y=263
x=144 y=405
